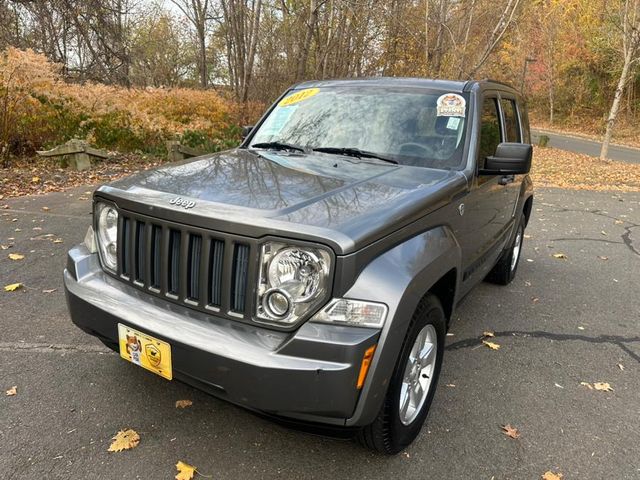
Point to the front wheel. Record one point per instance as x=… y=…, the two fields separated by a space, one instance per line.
x=413 y=383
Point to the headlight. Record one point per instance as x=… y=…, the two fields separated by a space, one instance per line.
x=293 y=281
x=107 y=226
x=357 y=313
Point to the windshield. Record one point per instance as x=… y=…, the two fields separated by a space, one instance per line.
x=411 y=126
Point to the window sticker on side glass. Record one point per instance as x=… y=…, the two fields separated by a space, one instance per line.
x=451 y=105
x=298 y=96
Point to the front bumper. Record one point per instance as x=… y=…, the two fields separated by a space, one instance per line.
x=307 y=375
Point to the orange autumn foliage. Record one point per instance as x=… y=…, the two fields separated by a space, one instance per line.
x=38 y=109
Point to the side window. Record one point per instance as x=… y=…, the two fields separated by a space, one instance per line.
x=489 y=130
x=511 y=124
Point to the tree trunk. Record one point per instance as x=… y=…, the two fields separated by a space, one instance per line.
x=253 y=41
x=202 y=47
x=496 y=35
x=426 y=35
x=304 y=56
x=615 y=106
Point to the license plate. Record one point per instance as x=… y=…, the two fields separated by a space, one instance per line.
x=145 y=351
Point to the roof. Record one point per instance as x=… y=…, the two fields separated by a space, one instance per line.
x=387 y=81
x=450 y=85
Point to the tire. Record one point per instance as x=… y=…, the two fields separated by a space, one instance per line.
x=505 y=270
x=393 y=430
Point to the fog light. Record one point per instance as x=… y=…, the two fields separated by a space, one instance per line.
x=277 y=303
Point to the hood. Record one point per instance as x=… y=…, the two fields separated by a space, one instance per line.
x=346 y=202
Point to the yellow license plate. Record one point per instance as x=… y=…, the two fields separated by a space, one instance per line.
x=146 y=351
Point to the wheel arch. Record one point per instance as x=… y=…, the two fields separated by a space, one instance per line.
x=402 y=277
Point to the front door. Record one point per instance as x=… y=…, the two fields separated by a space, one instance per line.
x=487 y=210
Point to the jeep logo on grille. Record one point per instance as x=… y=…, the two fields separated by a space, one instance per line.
x=181 y=202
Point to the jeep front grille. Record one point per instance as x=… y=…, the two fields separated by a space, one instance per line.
x=209 y=271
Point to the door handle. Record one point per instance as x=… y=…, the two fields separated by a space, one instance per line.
x=507 y=179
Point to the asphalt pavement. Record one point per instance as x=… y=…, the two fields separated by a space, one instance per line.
x=586 y=146
x=563 y=321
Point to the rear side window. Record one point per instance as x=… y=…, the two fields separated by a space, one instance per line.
x=511 y=124
x=489 y=130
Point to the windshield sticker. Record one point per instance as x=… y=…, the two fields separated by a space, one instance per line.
x=277 y=120
x=453 y=123
x=298 y=96
x=451 y=105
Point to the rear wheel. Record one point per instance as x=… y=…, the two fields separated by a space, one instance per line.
x=505 y=270
x=413 y=384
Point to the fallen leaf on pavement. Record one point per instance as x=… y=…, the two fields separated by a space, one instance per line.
x=183 y=403
x=560 y=256
x=604 y=233
x=49 y=290
x=185 y=471
x=12 y=287
x=16 y=256
x=491 y=345
x=588 y=385
x=603 y=387
x=551 y=476
x=621 y=366
x=46 y=209
x=488 y=334
x=510 y=431
x=124 y=440
x=602 y=257
x=12 y=391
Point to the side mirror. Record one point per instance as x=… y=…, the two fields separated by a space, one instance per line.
x=509 y=159
x=246 y=131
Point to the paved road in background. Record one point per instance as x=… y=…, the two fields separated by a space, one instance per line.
x=586 y=146
x=560 y=323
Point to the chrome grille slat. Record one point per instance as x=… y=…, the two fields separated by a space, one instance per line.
x=208 y=271
x=239 y=280
x=215 y=272
x=154 y=255
x=139 y=273
x=175 y=238
x=125 y=247
x=193 y=272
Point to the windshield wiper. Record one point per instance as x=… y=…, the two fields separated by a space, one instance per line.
x=354 y=152
x=277 y=146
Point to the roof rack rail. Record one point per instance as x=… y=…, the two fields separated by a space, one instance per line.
x=497 y=81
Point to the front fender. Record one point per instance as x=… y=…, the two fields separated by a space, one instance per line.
x=400 y=277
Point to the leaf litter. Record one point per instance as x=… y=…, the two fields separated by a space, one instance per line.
x=124 y=440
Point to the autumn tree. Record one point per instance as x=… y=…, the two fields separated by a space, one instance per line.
x=627 y=23
x=199 y=14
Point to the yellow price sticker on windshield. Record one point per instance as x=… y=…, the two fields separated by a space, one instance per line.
x=298 y=96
